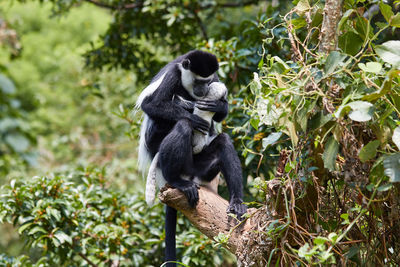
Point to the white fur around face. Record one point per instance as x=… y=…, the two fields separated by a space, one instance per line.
x=187 y=78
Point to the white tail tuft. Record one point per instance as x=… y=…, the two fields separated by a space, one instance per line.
x=151 y=182
x=144 y=157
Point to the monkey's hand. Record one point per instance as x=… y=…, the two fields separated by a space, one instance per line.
x=199 y=124
x=186 y=104
x=211 y=105
x=237 y=207
x=189 y=189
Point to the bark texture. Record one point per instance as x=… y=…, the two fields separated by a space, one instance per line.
x=329 y=33
x=247 y=240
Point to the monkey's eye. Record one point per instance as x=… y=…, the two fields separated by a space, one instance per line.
x=201 y=82
x=186 y=64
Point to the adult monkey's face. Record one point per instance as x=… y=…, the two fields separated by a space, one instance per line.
x=194 y=83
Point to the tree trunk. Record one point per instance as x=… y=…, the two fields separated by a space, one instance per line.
x=329 y=33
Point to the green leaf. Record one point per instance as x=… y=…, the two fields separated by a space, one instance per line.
x=360 y=111
x=249 y=159
x=333 y=237
x=36 y=229
x=391 y=164
x=389 y=52
x=396 y=137
x=6 y=85
x=24 y=227
x=299 y=23
x=387 y=85
x=270 y=139
x=386 y=11
x=395 y=22
x=344 y=18
x=330 y=153
x=255 y=123
x=302 y=7
x=320 y=240
x=303 y=250
x=332 y=61
x=53 y=212
x=368 y=152
x=63 y=237
x=350 y=43
x=384 y=187
x=363 y=27
x=319 y=120
x=373 y=67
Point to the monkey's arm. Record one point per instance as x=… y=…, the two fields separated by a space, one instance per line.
x=160 y=106
x=220 y=107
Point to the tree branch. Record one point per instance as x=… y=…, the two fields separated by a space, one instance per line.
x=201 y=25
x=232 y=5
x=140 y=4
x=104 y=5
x=84 y=257
x=246 y=239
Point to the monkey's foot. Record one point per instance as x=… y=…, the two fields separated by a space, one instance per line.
x=190 y=190
x=237 y=207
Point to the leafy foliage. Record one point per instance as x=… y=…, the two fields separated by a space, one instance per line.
x=77 y=218
x=338 y=111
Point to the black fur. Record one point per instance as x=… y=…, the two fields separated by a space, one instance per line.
x=202 y=63
x=170 y=133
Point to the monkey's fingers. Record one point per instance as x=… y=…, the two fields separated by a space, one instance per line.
x=207 y=105
x=192 y=194
x=199 y=124
x=237 y=208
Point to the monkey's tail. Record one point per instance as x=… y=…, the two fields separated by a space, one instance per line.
x=144 y=157
x=151 y=182
x=170 y=232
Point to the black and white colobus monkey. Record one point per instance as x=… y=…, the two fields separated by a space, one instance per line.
x=167 y=129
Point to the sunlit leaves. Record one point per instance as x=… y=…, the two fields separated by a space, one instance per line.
x=357 y=111
x=360 y=111
x=302 y=7
x=389 y=52
x=270 y=139
x=79 y=214
x=374 y=67
x=386 y=11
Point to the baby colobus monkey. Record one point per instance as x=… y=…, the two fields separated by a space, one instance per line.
x=217 y=90
x=167 y=130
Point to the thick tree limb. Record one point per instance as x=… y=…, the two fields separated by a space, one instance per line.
x=246 y=239
x=329 y=33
